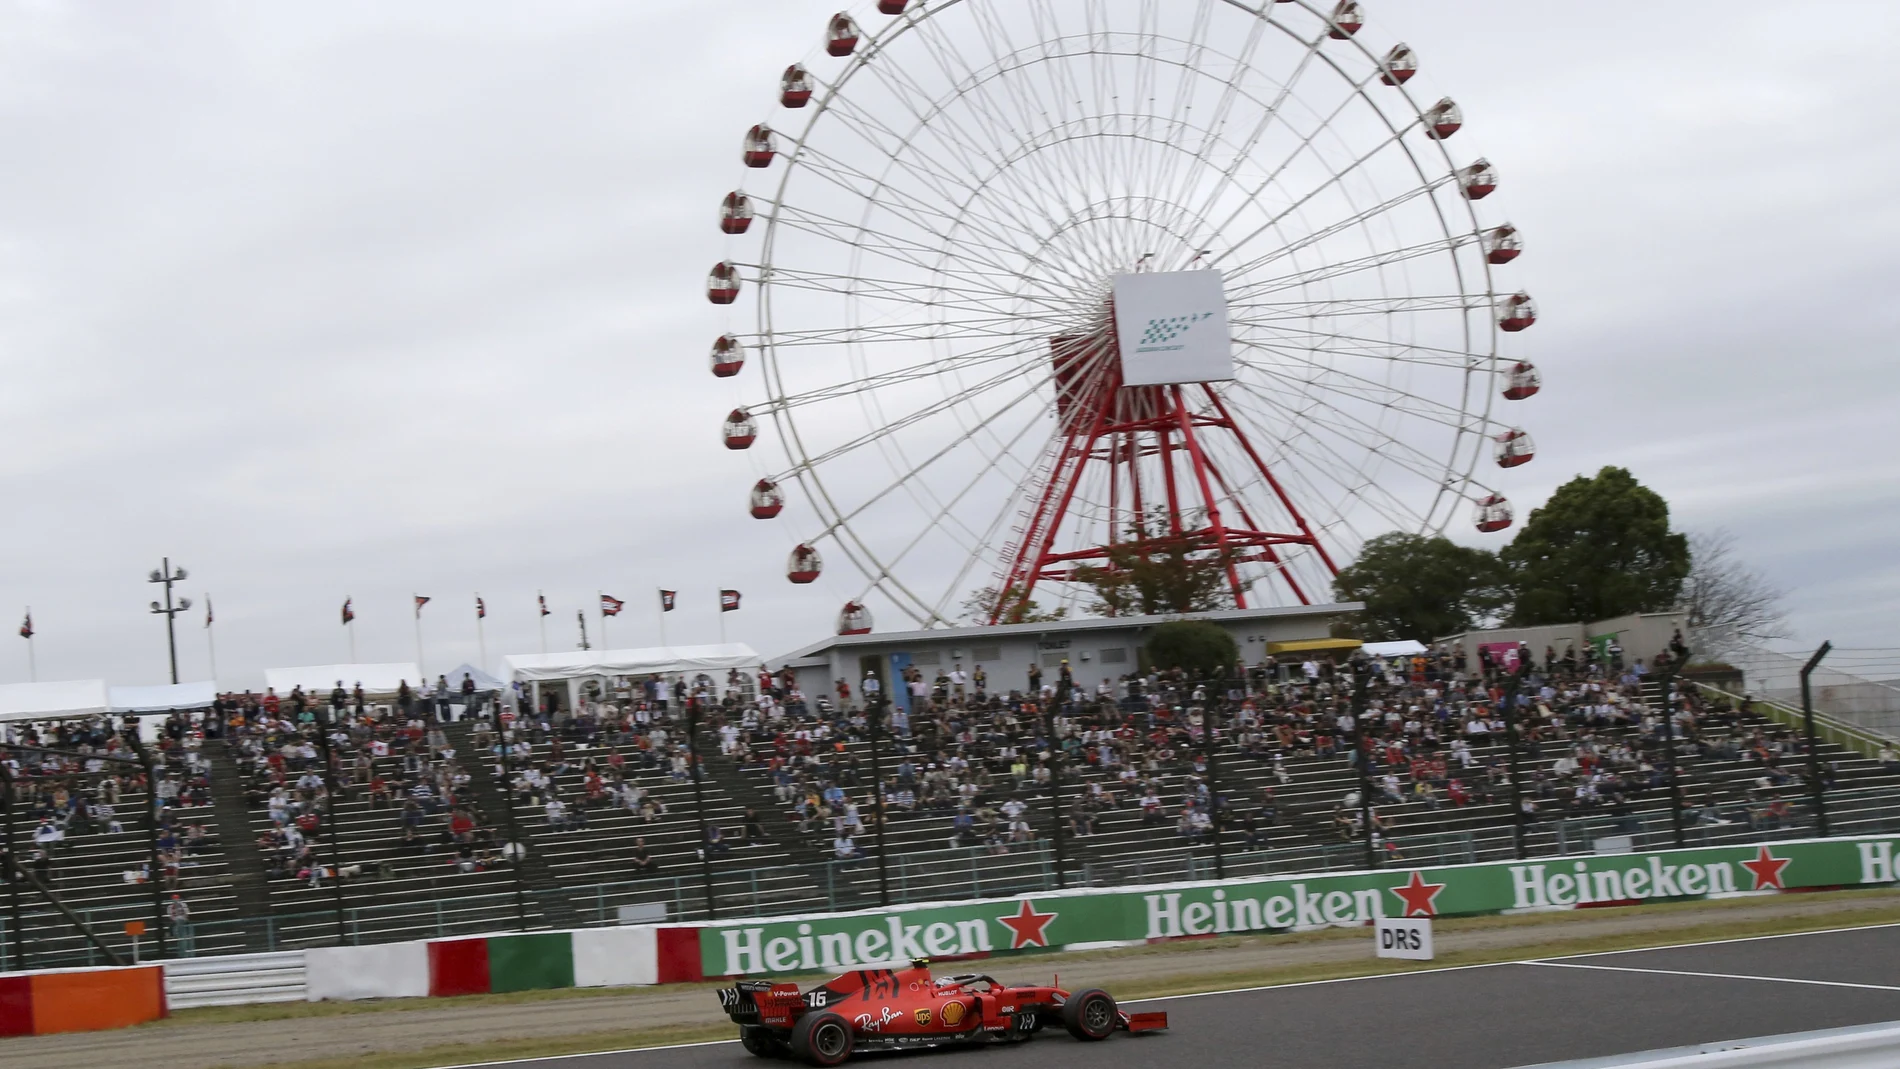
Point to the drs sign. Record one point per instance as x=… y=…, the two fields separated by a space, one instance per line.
x=1172 y=327
x=1408 y=939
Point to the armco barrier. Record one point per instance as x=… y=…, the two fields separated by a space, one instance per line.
x=235 y=980
x=1170 y=911
x=80 y=1000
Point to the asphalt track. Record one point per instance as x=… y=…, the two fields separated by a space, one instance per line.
x=1481 y=1017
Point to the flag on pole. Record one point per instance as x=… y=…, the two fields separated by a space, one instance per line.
x=610 y=605
x=666 y=600
x=728 y=600
x=543 y=599
x=26 y=628
x=420 y=602
x=481 y=608
x=348 y=613
x=207 y=610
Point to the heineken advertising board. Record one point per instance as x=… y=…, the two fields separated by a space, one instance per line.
x=835 y=942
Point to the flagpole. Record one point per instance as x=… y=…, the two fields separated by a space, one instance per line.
x=350 y=627
x=211 y=643
x=32 y=663
x=418 y=604
x=600 y=601
x=662 y=602
x=481 y=637
x=722 y=620
x=541 y=606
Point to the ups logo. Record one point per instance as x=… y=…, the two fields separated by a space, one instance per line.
x=923 y=1017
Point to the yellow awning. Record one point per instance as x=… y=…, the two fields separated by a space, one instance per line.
x=1314 y=644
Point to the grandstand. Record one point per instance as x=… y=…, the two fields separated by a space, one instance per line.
x=595 y=818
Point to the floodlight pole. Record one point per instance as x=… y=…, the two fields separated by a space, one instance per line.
x=167 y=576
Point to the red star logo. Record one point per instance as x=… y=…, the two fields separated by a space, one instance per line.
x=1026 y=927
x=1419 y=897
x=1767 y=869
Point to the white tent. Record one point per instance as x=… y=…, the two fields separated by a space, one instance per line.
x=49 y=701
x=659 y=660
x=1402 y=648
x=537 y=669
x=320 y=679
x=483 y=681
x=164 y=697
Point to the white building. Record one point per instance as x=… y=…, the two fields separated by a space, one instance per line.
x=1096 y=648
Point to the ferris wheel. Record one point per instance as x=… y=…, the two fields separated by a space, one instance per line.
x=1013 y=283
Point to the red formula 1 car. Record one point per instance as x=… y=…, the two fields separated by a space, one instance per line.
x=881 y=1009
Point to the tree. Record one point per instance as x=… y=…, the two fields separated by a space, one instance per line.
x=1020 y=610
x=1600 y=547
x=1422 y=588
x=1151 y=573
x=1728 y=603
x=1196 y=647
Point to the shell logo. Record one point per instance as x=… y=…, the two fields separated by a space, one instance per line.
x=953 y=1013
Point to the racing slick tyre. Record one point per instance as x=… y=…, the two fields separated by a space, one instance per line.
x=822 y=1039
x=1090 y=1014
x=759 y=1042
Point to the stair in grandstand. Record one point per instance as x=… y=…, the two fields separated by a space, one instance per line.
x=544 y=899
x=594 y=864
x=250 y=892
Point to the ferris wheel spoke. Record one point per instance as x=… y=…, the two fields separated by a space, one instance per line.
x=1382 y=349
x=940 y=178
x=1261 y=313
x=1009 y=349
x=828 y=166
x=1272 y=114
x=1231 y=94
x=1350 y=222
x=1335 y=181
x=1315 y=407
x=1370 y=392
x=907 y=292
x=1331 y=272
x=973 y=90
x=970 y=263
x=945 y=514
x=935 y=408
x=1352 y=479
x=1006 y=327
x=1299 y=367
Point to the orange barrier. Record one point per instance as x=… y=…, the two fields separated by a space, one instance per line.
x=81 y=1000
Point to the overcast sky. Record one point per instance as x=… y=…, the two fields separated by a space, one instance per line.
x=360 y=299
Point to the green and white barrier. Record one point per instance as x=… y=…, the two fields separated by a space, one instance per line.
x=1083 y=918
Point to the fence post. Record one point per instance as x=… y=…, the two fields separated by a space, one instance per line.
x=330 y=819
x=1210 y=719
x=699 y=803
x=1663 y=686
x=1514 y=765
x=1362 y=756
x=1055 y=789
x=874 y=716
x=1815 y=786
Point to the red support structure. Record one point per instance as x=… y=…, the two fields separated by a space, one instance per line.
x=1125 y=428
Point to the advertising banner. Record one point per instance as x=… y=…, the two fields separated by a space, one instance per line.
x=1043 y=922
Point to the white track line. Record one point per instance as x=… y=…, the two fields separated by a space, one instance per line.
x=1713 y=975
x=1738 y=939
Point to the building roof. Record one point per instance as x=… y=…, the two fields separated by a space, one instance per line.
x=813 y=654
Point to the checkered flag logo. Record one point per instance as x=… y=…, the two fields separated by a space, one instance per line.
x=1166 y=330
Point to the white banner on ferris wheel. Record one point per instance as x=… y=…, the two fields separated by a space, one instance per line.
x=1172 y=328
